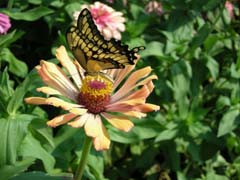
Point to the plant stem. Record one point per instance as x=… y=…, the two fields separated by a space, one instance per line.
x=86 y=149
x=10 y=4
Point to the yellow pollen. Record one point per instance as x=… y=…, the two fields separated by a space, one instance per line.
x=96 y=85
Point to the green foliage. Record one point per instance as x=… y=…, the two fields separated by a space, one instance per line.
x=193 y=48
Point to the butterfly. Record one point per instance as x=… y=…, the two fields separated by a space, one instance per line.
x=92 y=51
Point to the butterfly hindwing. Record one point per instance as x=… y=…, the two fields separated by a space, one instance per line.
x=89 y=46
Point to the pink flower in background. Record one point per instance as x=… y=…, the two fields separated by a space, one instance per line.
x=109 y=22
x=90 y=99
x=4 y=23
x=229 y=7
x=154 y=6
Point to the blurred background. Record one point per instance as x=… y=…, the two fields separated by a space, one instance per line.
x=194 y=49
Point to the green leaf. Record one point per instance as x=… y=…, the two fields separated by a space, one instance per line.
x=223 y=101
x=213 y=176
x=32 y=148
x=213 y=66
x=30 y=15
x=6 y=92
x=7 y=39
x=143 y=129
x=17 y=98
x=9 y=171
x=40 y=176
x=16 y=66
x=36 y=2
x=229 y=121
x=12 y=132
x=181 y=76
x=153 y=48
x=42 y=131
x=170 y=132
x=200 y=36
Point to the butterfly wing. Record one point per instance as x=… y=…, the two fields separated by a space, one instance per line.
x=92 y=51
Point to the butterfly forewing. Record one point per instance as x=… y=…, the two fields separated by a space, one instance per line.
x=89 y=46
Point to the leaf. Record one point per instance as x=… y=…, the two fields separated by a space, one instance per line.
x=12 y=132
x=93 y=172
x=143 y=129
x=40 y=176
x=200 y=36
x=30 y=147
x=30 y=15
x=153 y=48
x=17 y=98
x=181 y=76
x=229 y=121
x=213 y=66
x=8 y=171
x=16 y=66
x=213 y=176
x=7 y=39
x=6 y=92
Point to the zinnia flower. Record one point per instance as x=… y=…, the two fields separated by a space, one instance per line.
x=154 y=6
x=4 y=23
x=110 y=23
x=94 y=97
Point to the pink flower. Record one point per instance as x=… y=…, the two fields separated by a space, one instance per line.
x=116 y=96
x=154 y=6
x=109 y=22
x=4 y=23
x=229 y=7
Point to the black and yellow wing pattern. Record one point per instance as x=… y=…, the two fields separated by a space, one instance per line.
x=92 y=51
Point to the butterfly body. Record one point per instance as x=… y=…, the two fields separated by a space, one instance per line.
x=92 y=51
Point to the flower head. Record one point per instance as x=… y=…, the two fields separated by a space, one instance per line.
x=154 y=6
x=95 y=97
x=110 y=23
x=4 y=23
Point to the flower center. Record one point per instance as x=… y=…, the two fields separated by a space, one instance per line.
x=95 y=93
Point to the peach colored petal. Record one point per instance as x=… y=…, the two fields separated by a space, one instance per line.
x=130 y=83
x=48 y=90
x=134 y=114
x=78 y=111
x=54 y=77
x=54 y=102
x=127 y=110
x=131 y=102
x=35 y=100
x=147 y=107
x=67 y=63
x=61 y=103
x=102 y=141
x=143 y=93
x=59 y=120
x=123 y=94
x=119 y=122
x=91 y=127
x=79 y=121
x=120 y=74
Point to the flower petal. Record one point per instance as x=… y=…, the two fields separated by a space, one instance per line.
x=59 y=120
x=54 y=102
x=102 y=141
x=91 y=127
x=130 y=83
x=119 y=122
x=147 y=107
x=48 y=90
x=79 y=121
x=54 y=77
x=67 y=63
